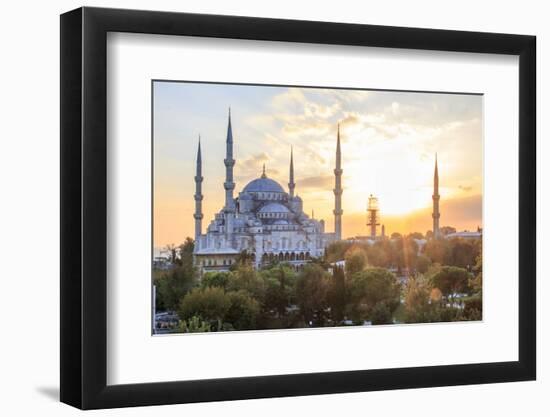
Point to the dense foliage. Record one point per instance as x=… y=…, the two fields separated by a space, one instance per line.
x=403 y=279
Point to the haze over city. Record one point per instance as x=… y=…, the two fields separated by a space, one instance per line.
x=389 y=141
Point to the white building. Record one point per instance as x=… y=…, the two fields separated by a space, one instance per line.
x=465 y=235
x=264 y=220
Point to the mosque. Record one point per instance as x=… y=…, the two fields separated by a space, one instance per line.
x=264 y=220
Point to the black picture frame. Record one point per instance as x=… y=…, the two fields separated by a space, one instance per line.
x=84 y=207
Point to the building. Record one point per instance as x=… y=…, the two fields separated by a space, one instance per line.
x=465 y=235
x=265 y=221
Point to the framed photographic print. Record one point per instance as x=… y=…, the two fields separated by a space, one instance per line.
x=258 y=207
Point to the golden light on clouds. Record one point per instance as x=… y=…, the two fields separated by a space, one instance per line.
x=389 y=140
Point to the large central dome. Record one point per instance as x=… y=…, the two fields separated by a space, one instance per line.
x=263 y=185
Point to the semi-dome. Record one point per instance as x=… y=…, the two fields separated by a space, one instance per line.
x=263 y=185
x=274 y=208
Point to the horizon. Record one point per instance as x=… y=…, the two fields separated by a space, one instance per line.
x=389 y=140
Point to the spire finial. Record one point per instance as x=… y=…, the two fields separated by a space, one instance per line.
x=263 y=172
x=199 y=150
x=229 y=162
x=338 y=142
x=198 y=194
x=338 y=190
x=291 y=184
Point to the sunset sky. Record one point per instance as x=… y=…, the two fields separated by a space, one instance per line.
x=389 y=140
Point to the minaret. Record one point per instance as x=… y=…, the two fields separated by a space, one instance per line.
x=229 y=162
x=198 y=195
x=338 y=190
x=435 y=198
x=291 y=184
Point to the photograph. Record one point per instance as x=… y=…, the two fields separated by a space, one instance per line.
x=275 y=205
x=291 y=207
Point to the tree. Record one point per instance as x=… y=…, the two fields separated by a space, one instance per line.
x=417 y=294
x=473 y=306
x=417 y=300
x=174 y=284
x=396 y=235
x=405 y=253
x=194 y=325
x=476 y=283
x=356 y=259
x=423 y=263
x=210 y=304
x=246 y=278
x=172 y=249
x=216 y=279
x=336 y=251
x=416 y=235
x=438 y=250
x=185 y=251
x=243 y=310
x=381 y=314
x=377 y=256
x=279 y=284
x=244 y=258
x=462 y=253
x=381 y=254
x=337 y=298
x=451 y=280
x=368 y=288
x=311 y=293
x=187 y=247
x=447 y=230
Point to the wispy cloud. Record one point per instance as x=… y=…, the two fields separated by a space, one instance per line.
x=320 y=183
x=389 y=140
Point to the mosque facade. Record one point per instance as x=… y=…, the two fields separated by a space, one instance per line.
x=265 y=220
